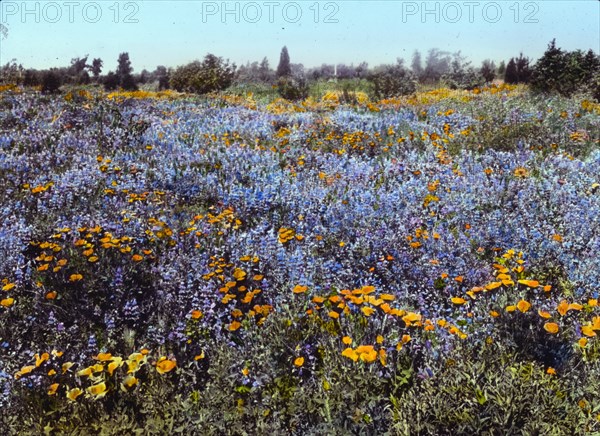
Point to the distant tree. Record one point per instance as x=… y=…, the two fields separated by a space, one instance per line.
x=345 y=71
x=284 y=69
x=417 y=64
x=362 y=70
x=265 y=74
x=510 y=75
x=32 y=77
x=11 y=73
x=523 y=69
x=462 y=75
x=162 y=75
x=124 y=70
x=212 y=74
x=392 y=81
x=501 y=69
x=51 y=82
x=565 y=72
x=437 y=64
x=96 y=68
x=111 y=81
x=488 y=70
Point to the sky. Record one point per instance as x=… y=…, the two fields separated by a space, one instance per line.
x=43 y=34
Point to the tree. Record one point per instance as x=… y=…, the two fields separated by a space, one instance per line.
x=565 y=72
x=501 y=69
x=523 y=69
x=212 y=74
x=517 y=70
x=392 y=81
x=111 y=81
x=96 y=68
x=510 y=75
x=488 y=70
x=50 y=82
x=436 y=65
x=265 y=74
x=284 y=69
x=417 y=64
x=162 y=75
x=124 y=70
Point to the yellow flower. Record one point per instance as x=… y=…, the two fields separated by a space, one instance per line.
x=347 y=340
x=103 y=357
x=551 y=327
x=39 y=360
x=117 y=362
x=7 y=302
x=73 y=394
x=24 y=370
x=458 y=300
x=523 y=306
x=165 y=365
x=8 y=286
x=299 y=289
x=299 y=361
x=129 y=382
x=97 y=391
x=52 y=389
x=350 y=354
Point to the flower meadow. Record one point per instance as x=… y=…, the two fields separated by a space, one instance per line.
x=217 y=265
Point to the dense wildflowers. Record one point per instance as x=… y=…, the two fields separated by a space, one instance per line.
x=141 y=233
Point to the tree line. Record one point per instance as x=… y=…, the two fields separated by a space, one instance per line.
x=560 y=71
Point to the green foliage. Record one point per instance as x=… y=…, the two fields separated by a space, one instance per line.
x=563 y=72
x=292 y=88
x=212 y=74
x=392 y=81
x=50 y=82
x=488 y=390
x=284 y=68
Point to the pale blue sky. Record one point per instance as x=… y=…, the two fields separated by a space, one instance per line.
x=174 y=32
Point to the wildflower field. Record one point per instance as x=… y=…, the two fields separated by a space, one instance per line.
x=423 y=265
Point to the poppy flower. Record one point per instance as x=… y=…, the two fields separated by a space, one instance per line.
x=73 y=394
x=165 y=365
x=299 y=361
x=97 y=391
x=523 y=306
x=551 y=327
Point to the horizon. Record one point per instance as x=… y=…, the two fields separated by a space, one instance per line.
x=315 y=33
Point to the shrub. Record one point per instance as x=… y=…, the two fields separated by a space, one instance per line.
x=50 y=82
x=292 y=88
x=392 y=81
x=212 y=74
x=565 y=72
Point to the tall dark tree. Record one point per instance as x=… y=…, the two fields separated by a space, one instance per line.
x=501 y=69
x=265 y=74
x=284 y=68
x=124 y=70
x=96 y=68
x=523 y=69
x=417 y=64
x=488 y=70
x=510 y=75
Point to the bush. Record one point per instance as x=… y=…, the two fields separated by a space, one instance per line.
x=565 y=72
x=50 y=82
x=464 y=79
x=111 y=81
x=292 y=88
x=392 y=81
x=212 y=74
